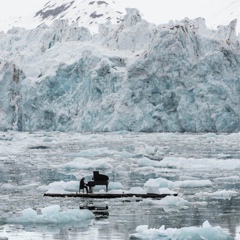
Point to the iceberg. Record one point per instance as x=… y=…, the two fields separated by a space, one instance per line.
x=223 y=194
x=162 y=183
x=131 y=76
x=51 y=214
x=206 y=232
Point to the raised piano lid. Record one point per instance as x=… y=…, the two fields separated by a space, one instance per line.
x=99 y=177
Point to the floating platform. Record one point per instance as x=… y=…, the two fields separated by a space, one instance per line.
x=108 y=195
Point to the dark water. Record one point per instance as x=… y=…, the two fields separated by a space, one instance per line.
x=32 y=160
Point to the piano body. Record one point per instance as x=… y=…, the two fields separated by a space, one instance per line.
x=98 y=179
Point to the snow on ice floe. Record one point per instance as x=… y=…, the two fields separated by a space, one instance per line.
x=14 y=186
x=94 y=152
x=206 y=231
x=60 y=187
x=176 y=164
x=162 y=182
x=146 y=162
x=51 y=214
x=83 y=163
x=231 y=179
x=222 y=194
x=169 y=203
x=199 y=163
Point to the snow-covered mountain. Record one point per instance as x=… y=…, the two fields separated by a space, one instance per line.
x=134 y=75
x=87 y=13
x=90 y=13
x=84 y=12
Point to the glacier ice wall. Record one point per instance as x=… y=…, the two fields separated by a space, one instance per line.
x=134 y=76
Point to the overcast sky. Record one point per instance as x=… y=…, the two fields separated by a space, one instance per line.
x=10 y=8
x=161 y=11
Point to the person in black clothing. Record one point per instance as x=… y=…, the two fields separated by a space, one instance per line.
x=83 y=185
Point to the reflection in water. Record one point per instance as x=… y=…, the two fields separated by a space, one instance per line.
x=99 y=210
x=50 y=231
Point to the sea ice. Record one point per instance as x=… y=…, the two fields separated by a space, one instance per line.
x=206 y=232
x=51 y=214
x=161 y=182
x=169 y=203
x=222 y=194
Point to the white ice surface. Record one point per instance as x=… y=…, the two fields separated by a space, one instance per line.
x=206 y=232
x=222 y=194
x=169 y=203
x=51 y=214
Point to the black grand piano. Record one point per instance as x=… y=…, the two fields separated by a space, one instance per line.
x=98 y=179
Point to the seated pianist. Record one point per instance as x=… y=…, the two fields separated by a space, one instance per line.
x=98 y=179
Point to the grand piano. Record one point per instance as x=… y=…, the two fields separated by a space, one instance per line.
x=98 y=179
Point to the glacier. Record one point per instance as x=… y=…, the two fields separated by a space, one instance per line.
x=130 y=76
